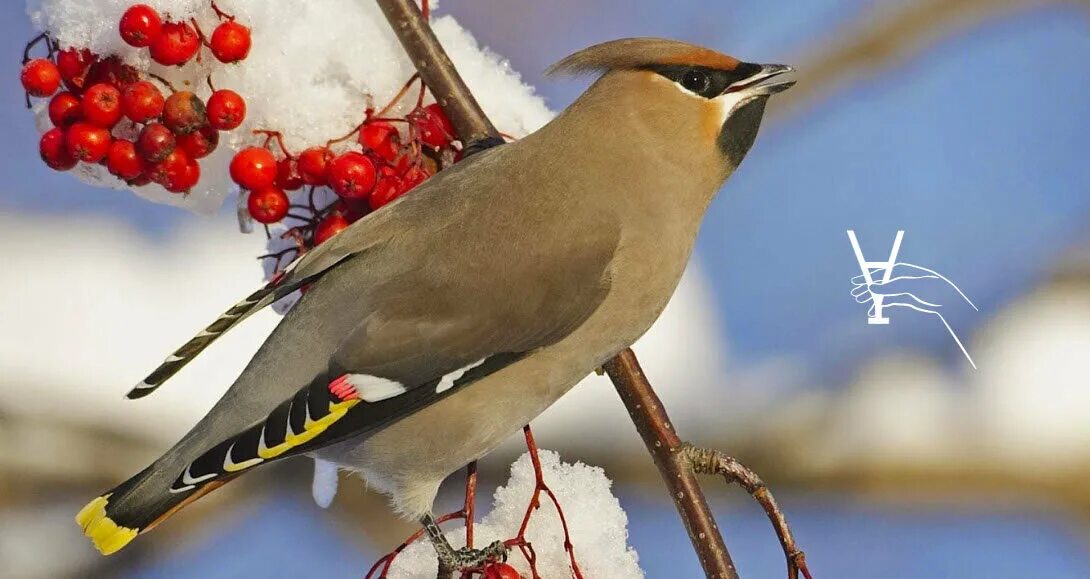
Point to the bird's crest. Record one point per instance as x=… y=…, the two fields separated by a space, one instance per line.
x=635 y=53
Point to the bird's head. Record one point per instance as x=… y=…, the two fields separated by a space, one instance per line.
x=684 y=92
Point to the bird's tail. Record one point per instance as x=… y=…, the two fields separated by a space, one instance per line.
x=114 y=519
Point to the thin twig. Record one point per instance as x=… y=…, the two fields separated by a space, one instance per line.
x=535 y=503
x=168 y=84
x=711 y=461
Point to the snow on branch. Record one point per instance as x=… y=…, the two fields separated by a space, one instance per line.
x=597 y=524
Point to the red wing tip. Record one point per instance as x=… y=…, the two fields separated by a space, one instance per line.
x=343 y=389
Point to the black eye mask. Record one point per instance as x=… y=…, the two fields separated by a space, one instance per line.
x=704 y=81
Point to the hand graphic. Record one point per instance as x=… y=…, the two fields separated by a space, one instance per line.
x=913 y=287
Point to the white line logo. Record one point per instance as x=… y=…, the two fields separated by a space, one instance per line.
x=901 y=288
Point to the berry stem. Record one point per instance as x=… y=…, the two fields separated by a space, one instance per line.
x=303 y=218
x=30 y=45
x=163 y=81
x=200 y=36
x=270 y=135
x=420 y=97
x=220 y=13
x=400 y=94
x=346 y=137
x=535 y=503
x=470 y=500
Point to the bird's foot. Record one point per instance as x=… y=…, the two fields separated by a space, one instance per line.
x=466 y=559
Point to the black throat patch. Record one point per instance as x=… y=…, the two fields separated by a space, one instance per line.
x=738 y=133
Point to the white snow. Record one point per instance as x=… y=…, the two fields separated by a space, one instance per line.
x=598 y=525
x=309 y=74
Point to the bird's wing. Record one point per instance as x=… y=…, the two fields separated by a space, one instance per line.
x=411 y=352
x=303 y=271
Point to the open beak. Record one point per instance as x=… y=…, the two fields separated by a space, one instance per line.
x=766 y=82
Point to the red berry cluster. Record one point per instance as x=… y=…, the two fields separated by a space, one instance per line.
x=176 y=43
x=114 y=115
x=382 y=163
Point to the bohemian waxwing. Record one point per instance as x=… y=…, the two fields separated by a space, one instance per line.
x=441 y=324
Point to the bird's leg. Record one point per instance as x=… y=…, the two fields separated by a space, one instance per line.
x=451 y=559
x=710 y=461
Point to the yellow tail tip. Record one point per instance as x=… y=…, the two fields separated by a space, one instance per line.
x=107 y=536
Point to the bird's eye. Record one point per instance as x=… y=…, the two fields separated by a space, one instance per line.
x=696 y=81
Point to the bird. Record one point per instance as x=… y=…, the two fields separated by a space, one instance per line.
x=438 y=326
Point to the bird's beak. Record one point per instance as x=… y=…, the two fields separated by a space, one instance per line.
x=767 y=81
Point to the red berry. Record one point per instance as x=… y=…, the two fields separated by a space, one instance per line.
x=140 y=25
x=177 y=43
x=73 y=65
x=142 y=101
x=64 y=109
x=254 y=168
x=155 y=143
x=87 y=142
x=184 y=112
x=352 y=175
x=140 y=180
x=226 y=110
x=267 y=204
x=102 y=105
x=185 y=180
x=231 y=42
x=111 y=71
x=54 y=152
x=40 y=77
x=171 y=169
x=413 y=177
x=382 y=138
x=501 y=571
x=314 y=165
x=354 y=209
x=388 y=188
x=199 y=144
x=122 y=160
x=433 y=127
x=287 y=174
x=331 y=225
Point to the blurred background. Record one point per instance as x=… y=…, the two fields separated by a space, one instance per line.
x=962 y=122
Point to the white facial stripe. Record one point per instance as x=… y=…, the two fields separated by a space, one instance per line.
x=447 y=381
x=375 y=389
x=727 y=102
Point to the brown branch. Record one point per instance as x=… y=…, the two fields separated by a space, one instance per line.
x=438 y=73
x=673 y=457
x=679 y=462
x=666 y=448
